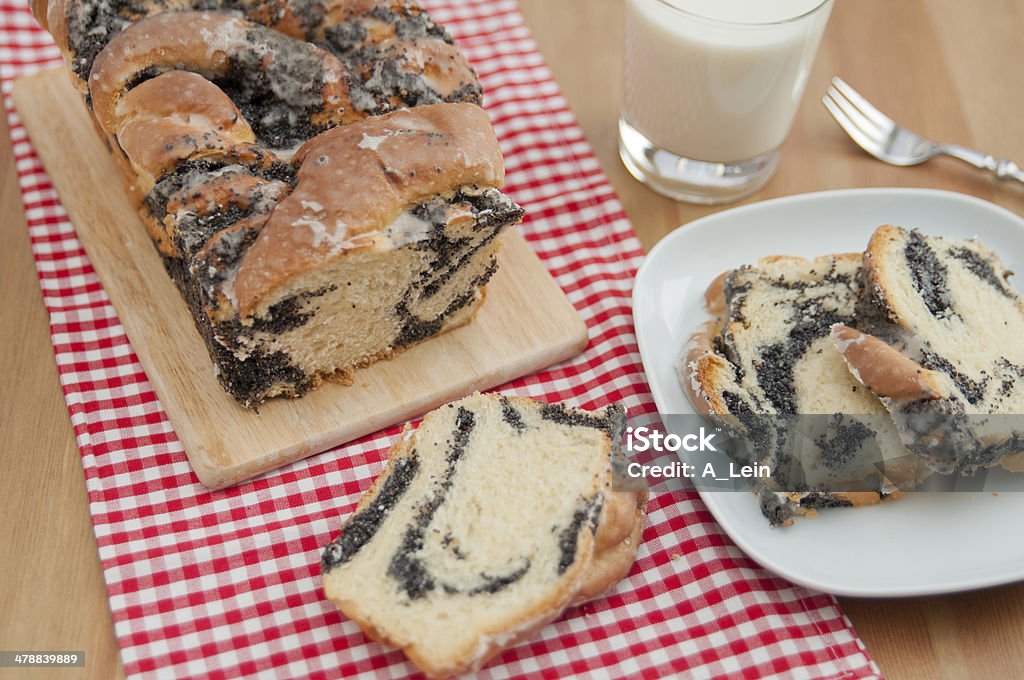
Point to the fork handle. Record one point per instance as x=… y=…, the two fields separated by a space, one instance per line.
x=1002 y=169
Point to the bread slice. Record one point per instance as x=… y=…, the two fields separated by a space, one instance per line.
x=489 y=520
x=770 y=354
x=774 y=346
x=946 y=348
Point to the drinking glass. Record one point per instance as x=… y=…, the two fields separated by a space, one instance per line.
x=711 y=89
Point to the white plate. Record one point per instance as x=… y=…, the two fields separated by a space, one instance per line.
x=920 y=544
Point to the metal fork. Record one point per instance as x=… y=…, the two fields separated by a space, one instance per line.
x=881 y=137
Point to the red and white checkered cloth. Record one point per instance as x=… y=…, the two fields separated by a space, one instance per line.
x=227 y=583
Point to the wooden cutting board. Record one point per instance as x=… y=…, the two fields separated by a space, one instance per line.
x=525 y=324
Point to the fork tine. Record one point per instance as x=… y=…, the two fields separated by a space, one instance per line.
x=864 y=141
x=853 y=113
x=858 y=100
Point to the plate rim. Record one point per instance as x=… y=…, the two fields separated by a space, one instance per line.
x=711 y=498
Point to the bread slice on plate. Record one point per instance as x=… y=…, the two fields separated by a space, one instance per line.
x=947 y=349
x=769 y=354
x=489 y=520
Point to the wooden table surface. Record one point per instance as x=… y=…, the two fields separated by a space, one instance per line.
x=951 y=68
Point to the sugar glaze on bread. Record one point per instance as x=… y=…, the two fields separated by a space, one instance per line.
x=489 y=520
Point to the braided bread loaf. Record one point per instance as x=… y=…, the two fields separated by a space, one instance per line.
x=318 y=175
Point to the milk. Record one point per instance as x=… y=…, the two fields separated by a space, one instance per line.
x=714 y=91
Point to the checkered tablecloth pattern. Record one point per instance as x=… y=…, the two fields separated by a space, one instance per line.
x=226 y=583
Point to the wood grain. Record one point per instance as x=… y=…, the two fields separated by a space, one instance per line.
x=525 y=324
x=961 y=63
x=946 y=66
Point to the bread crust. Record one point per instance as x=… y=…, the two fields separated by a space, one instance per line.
x=39 y=11
x=876 y=272
x=157 y=129
x=701 y=368
x=361 y=177
x=797 y=263
x=884 y=370
x=622 y=531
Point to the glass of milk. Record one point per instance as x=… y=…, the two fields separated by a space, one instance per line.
x=711 y=88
